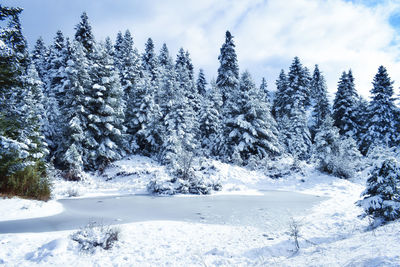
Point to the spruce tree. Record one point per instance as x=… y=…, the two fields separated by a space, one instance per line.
x=381 y=126
x=251 y=130
x=201 y=83
x=84 y=34
x=382 y=195
x=321 y=107
x=344 y=106
x=280 y=106
x=293 y=121
x=40 y=58
x=105 y=109
x=72 y=152
x=228 y=71
x=264 y=90
x=167 y=83
x=149 y=60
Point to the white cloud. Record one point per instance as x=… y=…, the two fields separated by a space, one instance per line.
x=335 y=34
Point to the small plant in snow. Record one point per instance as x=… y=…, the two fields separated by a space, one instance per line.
x=382 y=195
x=294 y=232
x=96 y=235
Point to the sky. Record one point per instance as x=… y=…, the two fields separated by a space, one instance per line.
x=335 y=34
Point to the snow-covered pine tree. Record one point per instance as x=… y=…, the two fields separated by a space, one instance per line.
x=105 y=132
x=362 y=117
x=321 y=106
x=70 y=156
x=167 y=83
x=228 y=71
x=84 y=34
x=264 y=91
x=201 y=83
x=40 y=56
x=344 y=106
x=251 y=130
x=209 y=116
x=294 y=131
x=149 y=60
x=186 y=86
x=381 y=126
x=22 y=168
x=118 y=57
x=280 y=104
x=382 y=195
x=129 y=64
x=54 y=91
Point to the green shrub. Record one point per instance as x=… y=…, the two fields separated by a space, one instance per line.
x=30 y=182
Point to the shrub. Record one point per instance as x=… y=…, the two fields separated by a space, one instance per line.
x=382 y=195
x=96 y=235
x=30 y=182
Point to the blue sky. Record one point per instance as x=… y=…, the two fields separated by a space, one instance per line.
x=336 y=34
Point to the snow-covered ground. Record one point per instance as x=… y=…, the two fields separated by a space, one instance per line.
x=331 y=234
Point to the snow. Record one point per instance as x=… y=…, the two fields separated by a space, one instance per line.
x=17 y=208
x=331 y=233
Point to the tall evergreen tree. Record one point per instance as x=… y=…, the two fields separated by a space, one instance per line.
x=264 y=90
x=84 y=33
x=118 y=51
x=280 y=104
x=321 y=106
x=251 y=130
x=293 y=123
x=40 y=57
x=201 y=83
x=149 y=60
x=105 y=109
x=72 y=152
x=344 y=106
x=381 y=127
x=167 y=83
x=228 y=71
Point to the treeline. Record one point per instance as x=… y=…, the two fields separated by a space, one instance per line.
x=81 y=104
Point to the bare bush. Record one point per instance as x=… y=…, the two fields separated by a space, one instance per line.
x=96 y=235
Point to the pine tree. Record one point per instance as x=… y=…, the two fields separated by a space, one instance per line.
x=105 y=109
x=84 y=34
x=344 y=106
x=382 y=195
x=228 y=71
x=381 y=127
x=201 y=83
x=71 y=153
x=130 y=64
x=22 y=150
x=54 y=91
x=167 y=83
x=118 y=51
x=321 y=107
x=280 y=104
x=362 y=116
x=40 y=57
x=264 y=93
x=251 y=130
x=209 y=117
x=293 y=121
x=149 y=60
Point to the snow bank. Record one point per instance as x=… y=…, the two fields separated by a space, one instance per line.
x=17 y=208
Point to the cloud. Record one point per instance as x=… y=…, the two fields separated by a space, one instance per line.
x=336 y=34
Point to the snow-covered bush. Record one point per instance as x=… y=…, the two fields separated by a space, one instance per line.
x=335 y=155
x=185 y=179
x=96 y=235
x=382 y=195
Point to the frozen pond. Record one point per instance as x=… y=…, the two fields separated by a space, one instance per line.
x=270 y=211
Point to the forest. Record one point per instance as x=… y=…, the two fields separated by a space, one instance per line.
x=79 y=104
